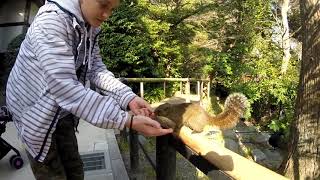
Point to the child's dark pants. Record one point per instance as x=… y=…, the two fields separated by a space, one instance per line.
x=63 y=159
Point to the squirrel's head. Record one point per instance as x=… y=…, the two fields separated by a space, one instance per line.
x=163 y=109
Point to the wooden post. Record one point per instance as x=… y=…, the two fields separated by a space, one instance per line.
x=141 y=90
x=198 y=88
x=164 y=88
x=208 y=86
x=201 y=93
x=165 y=158
x=124 y=134
x=201 y=87
x=188 y=91
x=134 y=151
x=181 y=88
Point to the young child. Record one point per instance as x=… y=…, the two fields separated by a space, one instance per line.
x=45 y=90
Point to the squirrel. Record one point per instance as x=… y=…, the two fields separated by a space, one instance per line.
x=196 y=118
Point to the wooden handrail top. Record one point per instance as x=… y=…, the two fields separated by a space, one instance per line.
x=164 y=79
x=231 y=163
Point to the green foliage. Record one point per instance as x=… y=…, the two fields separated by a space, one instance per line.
x=154 y=92
x=230 y=42
x=151 y=40
x=154 y=95
x=277 y=125
x=250 y=61
x=125 y=46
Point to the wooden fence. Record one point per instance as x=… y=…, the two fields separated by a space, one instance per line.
x=202 y=84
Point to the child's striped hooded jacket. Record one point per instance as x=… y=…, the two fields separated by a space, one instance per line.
x=43 y=85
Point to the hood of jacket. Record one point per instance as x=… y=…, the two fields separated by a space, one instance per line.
x=72 y=6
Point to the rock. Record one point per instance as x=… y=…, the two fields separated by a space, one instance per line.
x=258 y=155
x=261 y=138
x=245 y=137
x=232 y=145
x=242 y=126
x=230 y=134
x=274 y=158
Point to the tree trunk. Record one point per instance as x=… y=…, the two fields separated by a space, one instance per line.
x=286 y=36
x=304 y=148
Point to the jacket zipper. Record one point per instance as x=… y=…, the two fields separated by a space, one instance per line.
x=46 y=137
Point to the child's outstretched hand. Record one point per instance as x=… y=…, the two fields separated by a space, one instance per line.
x=147 y=126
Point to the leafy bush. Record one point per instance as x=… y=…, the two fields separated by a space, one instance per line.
x=154 y=92
x=230 y=42
x=154 y=95
x=250 y=63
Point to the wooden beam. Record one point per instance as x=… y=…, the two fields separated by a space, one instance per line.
x=198 y=88
x=165 y=79
x=201 y=92
x=134 y=151
x=231 y=163
x=198 y=161
x=209 y=87
x=166 y=159
x=187 y=91
x=141 y=89
x=164 y=88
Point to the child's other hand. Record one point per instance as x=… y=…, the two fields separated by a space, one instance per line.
x=148 y=126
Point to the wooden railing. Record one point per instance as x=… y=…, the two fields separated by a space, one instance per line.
x=200 y=151
x=200 y=85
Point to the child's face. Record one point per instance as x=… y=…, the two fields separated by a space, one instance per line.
x=96 y=11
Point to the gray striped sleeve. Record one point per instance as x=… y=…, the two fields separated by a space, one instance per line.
x=107 y=83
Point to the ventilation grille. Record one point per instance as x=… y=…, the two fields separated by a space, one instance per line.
x=94 y=161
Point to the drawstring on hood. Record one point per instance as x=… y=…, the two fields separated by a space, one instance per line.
x=87 y=60
x=73 y=6
x=85 y=47
x=90 y=48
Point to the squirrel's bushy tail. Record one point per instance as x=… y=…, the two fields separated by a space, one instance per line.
x=234 y=108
